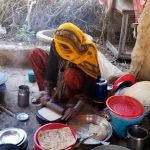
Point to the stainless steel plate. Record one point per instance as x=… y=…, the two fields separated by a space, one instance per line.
x=81 y=125
x=11 y=135
x=24 y=139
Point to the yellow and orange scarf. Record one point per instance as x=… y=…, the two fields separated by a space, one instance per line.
x=83 y=52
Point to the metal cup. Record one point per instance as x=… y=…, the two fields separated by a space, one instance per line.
x=137 y=137
x=23 y=96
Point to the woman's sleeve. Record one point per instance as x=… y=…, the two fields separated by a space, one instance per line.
x=89 y=86
x=52 y=70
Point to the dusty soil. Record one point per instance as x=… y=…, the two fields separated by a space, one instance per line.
x=123 y=65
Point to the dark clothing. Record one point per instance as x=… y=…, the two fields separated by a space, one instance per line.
x=53 y=66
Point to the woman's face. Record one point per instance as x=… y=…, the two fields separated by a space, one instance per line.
x=65 y=48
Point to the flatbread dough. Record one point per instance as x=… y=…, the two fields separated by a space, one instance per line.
x=49 y=114
x=56 y=139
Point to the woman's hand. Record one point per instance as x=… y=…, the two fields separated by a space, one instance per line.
x=42 y=98
x=69 y=112
x=72 y=111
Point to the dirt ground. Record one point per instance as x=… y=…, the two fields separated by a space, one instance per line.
x=17 y=77
x=123 y=65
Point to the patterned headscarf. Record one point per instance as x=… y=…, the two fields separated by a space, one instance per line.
x=82 y=51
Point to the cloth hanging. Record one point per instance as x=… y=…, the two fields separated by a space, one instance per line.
x=137 y=4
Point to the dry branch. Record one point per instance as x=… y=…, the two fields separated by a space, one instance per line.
x=46 y=14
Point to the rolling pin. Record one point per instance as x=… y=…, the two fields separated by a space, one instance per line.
x=55 y=107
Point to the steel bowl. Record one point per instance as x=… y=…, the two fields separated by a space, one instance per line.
x=81 y=125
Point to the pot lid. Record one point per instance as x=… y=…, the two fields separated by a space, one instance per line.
x=3 y=78
x=125 y=78
x=125 y=106
x=30 y=72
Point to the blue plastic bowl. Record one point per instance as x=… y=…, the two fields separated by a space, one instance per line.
x=120 y=125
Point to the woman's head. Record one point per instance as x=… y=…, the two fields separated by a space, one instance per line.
x=73 y=45
x=70 y=36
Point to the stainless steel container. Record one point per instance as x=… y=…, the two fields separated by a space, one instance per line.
x=23 y=96
x=137 y=137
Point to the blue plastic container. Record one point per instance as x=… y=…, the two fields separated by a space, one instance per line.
x=31 y=76
x=101 y=90
x=120 y=125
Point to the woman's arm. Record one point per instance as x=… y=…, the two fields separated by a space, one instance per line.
x=52 y=69
x=50 y=78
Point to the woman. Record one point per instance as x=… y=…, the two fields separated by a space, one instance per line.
x=71 y=69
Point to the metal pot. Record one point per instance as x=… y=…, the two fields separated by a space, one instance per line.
x=137 y=137
x=110 y=147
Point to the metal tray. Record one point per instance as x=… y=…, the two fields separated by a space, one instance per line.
x=11 y=136
x=81 y=125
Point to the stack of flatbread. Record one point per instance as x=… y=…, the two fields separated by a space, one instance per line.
x=56 y=139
